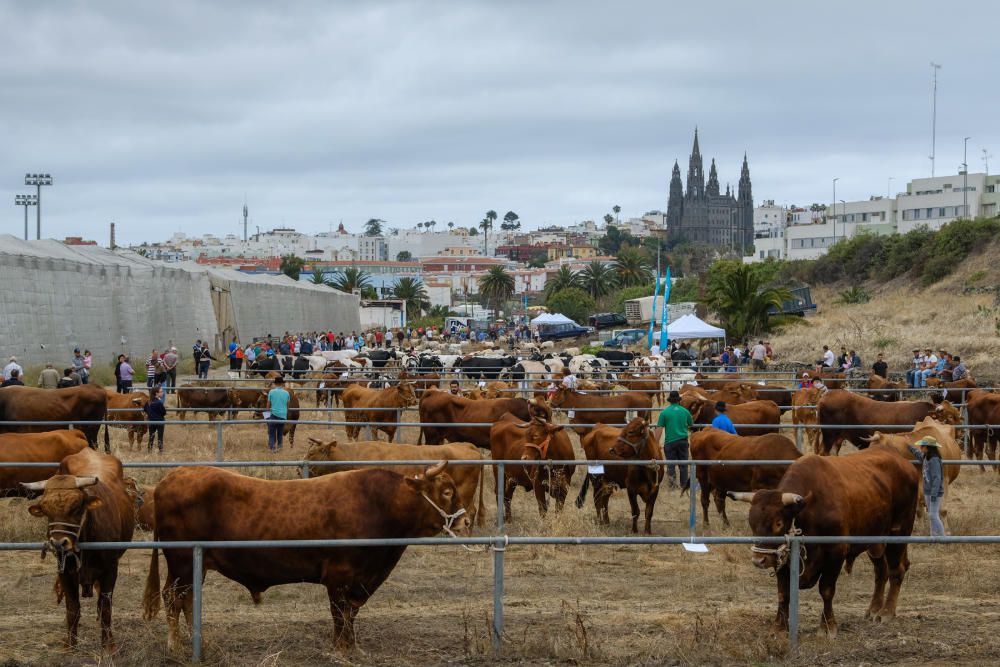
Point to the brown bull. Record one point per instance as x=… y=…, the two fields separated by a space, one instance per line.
x=984 y=411
x=594 y=408
x=873 y=492
x=210 y=400
x=48 y=447
x=830 y=379
x=498 y=389
x=955 y=392
x=213 y=504
x=650 y=385
x=246 y=399
x=635 y=441
x=715 y=381
x=882 y=389
x=438 y=407
x=467 y=477
x=536 y=440
x=381 y=408
x=128 y=408
x=86 y=403
x=805 y=411
x=711 y=444
x=142 y=502
x=842 y=408
x=753 y=418
x=772 y=392
x=86 y=502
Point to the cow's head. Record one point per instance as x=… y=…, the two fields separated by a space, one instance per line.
x=407 y=394
x=695 y=404
x=540 y=431
x=946 y=413
x=632 y=440
x=65 y=503
x=559 y=397
x=438 y=489
x=772 y=514
x=138 y=400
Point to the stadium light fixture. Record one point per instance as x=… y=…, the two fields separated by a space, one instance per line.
x=25 y=201
x=38 y=180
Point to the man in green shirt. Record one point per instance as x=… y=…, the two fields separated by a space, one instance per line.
x=674 y=424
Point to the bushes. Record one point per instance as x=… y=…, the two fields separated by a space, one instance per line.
x=572 y=302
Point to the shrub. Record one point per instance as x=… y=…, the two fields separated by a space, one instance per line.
x=856 y=294
x=572 y=302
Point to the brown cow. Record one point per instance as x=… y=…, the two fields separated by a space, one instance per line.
x=611 y=409
x=246 y=399
x=128 y=408
x=210 y=400
x=635 y=441
x=882 y=389
x=984 y=410
x=212 y=504
x=650 y=385
x=715 y=381
x=498 y=389
x=711 y=444
x=805 y=411
x=86 y=502
x=439 y=407
x=842 y=408
x=744 y=416
x=873 y=492
x=829 y=378
x=86 y=403
x=421 y=381
x=292 y=422
x=142 y=503
x=735 y=393
x=956 y=391
x=467 y=477
x=50 y=446
x=382 y=408
x=772 y=392
x=536 y=440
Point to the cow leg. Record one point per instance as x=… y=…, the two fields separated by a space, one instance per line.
x=720 y=506
x=827 y=589
x=781 y=619
x=179 y=578
x=559 y=488
x=582 y=496
x=107 y=584
x=898 y=562
x=706 y=491
x=650 y=500
x=70 y=583
x=881 y=576
x=509 y=486
x=344 y=613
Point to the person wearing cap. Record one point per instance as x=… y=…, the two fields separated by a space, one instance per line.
x=806 y=382
x=170 y=360
x=916 y=365
x=722 y=420
x=277 y=413
x=12 y=365
x=49 y=377
x=927 y=369
x=674 y=425
x=929 y=456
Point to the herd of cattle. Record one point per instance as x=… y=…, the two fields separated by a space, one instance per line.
x=85 y=496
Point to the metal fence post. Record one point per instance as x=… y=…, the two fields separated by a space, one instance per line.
x=198 y=576
x=793 y=593
x=305 y=471
x=692 y=489
x=798 y=437
x=498 y=556
x=219 y=456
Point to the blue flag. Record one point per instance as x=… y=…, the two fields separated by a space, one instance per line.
x=663 y=317
x=652 y=318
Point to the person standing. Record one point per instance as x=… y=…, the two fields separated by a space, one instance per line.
x=118 y=374
x=151 y=363
x=156 y=416
x=235 y=362
x=757 y=355
x=49 y=377
x=88 y=361
x=126 y=375
x=880 y=368
x=929 y=456
x=277 y=408
x=674 y=424
x=13 y=381
x=196 y=355
x=78 y=367
x=69 y=379
x=11 y=366
x=204 y=362
x=722 y=420
x=170 y=360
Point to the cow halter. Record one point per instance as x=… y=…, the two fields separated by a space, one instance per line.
x=781 y=552
x=542 y=447
x=63 y=555
x=636 y=446
x=449 y=519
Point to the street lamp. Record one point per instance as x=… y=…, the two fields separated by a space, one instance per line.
x=935 y=67
x=25 y=201
x=38 y=180
x=965 y=177
x=844 y=211
x=835 y=209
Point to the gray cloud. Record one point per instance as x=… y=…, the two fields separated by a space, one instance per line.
x=162 y=118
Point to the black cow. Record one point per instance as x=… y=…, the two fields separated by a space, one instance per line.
x=380 y=358
x=617 y=357
x=484 y=368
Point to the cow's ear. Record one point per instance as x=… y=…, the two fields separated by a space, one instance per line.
x=35 y=510
x=92 y=503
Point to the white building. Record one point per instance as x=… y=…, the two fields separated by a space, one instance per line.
x=373 y=249
x=935 y=201
x=767 y=217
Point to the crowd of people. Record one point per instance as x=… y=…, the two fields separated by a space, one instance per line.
x=943 y=366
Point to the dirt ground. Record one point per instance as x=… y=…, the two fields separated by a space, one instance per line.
x=566 y=605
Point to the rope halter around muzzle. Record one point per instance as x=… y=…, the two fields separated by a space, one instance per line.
x=449 y=519
x=782 y=552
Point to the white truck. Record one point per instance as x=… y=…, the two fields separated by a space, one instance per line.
x=640 y=311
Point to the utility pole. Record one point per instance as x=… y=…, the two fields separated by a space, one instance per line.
x=935 y=67
x=835 y=209
x=965 y=178
x=245 y=214
x=25 y=201
x=986 y=161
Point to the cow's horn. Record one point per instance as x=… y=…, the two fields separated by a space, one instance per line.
x=34 y=486
x=790 y=499
x=742 y=496
x=435 y=470
x=85 y=481
x=868 y=438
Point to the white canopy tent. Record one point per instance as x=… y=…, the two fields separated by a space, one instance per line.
x=551 y=318
x=689 y=327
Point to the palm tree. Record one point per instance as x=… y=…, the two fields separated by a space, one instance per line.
x=352 y=279
x=497 y=286
x=413 y=292
x=742 y=300
x=291 y=266
x=451 y=225
x=617 y=209
x=598 y=279
x=560 y=280
x=486 y=224
x=319 y=278
x=373 y=227
x=420 y=226
x=438 y=312
x=608 y=218
x=632 y=268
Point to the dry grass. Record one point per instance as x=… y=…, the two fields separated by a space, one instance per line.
x=619 y=605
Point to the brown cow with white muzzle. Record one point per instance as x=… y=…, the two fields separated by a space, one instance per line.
x=86 y=502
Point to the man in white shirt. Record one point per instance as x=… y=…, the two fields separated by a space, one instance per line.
x=826 y=361
x=930 y=361
x=12 y=366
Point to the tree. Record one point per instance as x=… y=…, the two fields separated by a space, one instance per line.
x=741 y=298
x=614 y=239
x=413 y=292
x=598 y=279
x=617 y=209
x=404 y=256
x=319 y=278
x=631 y=268
x=510 y=222
x=497 y=286
x=486 y=225
x=352 y=279
x=538 y=259
x=291 y=266
x=608 y=218
x=420 y=226
x=373 y=227
x=562 y=279
x=451 y=225
x=572 y=302
x=473 y=231
x=439 y=312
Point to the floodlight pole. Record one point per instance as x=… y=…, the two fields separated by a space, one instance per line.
x=25 y=201
x=38 y=180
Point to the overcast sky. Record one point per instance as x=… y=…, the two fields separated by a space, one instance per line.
x=163 y=116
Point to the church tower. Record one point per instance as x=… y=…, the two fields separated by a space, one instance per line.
x=745 y=204
x=713 y=181
x=675 y=201
x=696 y=172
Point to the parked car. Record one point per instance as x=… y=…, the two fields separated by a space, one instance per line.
x=625 y=337
x=607 y=320
x=561 y=331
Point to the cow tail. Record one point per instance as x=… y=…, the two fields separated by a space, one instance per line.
x=481 y=508
x=583 y=491
x=151 y=596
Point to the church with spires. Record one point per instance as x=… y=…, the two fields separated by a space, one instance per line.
x=700 y=213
